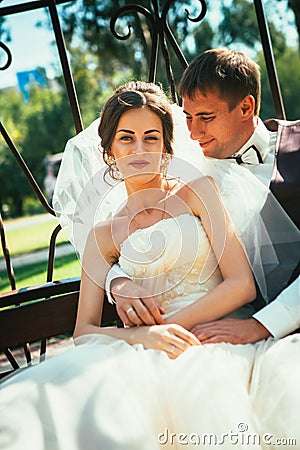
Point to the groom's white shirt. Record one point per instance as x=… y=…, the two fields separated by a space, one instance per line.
x=282 y=316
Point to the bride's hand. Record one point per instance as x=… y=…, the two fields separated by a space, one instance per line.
x=172 y=338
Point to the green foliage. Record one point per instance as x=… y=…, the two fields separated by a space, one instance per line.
x=294 y=5
x=32 y=206
x=37 y=129
x=88 y=21
x=13 y=184
x=47 y=129
x=239 y=24
x=91 y=90
x=288 y=68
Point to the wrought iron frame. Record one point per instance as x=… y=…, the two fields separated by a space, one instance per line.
x=162 y=37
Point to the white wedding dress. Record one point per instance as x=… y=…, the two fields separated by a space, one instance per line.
x=104 y=394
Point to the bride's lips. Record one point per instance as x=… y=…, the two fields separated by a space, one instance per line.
x=139 y=163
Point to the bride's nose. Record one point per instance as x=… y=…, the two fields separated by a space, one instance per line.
x=139 y=146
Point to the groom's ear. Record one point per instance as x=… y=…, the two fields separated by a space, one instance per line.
x=247 y=106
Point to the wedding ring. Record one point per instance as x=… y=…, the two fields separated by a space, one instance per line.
x=172 y=348
x=128 y=310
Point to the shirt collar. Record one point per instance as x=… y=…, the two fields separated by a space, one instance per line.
x=261 y=139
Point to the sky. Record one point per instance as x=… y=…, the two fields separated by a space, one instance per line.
x=31 y=46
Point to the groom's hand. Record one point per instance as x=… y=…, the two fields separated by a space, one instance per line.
x=234 y=331
x=135 y=304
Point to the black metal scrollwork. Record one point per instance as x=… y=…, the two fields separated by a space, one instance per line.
x=8 y=55
x=160 y=33
x=202 y=13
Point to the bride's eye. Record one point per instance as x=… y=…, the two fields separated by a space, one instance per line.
x=126 y=138
x=151 y=138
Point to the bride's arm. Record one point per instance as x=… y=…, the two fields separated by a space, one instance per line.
x=99 y=253
x=238 y=286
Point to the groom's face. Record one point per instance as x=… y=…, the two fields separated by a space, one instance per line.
x=219 y=130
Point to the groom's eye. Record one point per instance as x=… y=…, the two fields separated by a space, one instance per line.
x=207 y=118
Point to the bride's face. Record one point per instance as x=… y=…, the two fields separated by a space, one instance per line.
x=138 y=144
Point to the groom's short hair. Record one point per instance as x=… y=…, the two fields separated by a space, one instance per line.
x=231 y=73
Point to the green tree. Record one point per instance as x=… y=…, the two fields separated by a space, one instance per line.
x=92 y=90
x=287 y=63
x=89 y=22
x=37 y=129
x=13 y=186
x=238 y=24
x=294 y=5
x=48 y=125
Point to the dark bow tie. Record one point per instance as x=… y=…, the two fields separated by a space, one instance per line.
x=250 y=156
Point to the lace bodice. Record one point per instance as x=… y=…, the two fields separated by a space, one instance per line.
x=173 y=260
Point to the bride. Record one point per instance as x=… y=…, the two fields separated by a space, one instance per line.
x=147 y=387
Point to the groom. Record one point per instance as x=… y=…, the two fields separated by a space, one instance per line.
x=221 y=100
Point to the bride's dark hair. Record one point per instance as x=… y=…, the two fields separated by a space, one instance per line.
x=135 y=94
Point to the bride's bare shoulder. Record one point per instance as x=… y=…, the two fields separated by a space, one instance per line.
x=200 y=186
x=110 y=233
x=201 y=192
x=203 y=182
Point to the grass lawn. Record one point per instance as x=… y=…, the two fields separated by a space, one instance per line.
x=25 y=236
x=33 y=274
